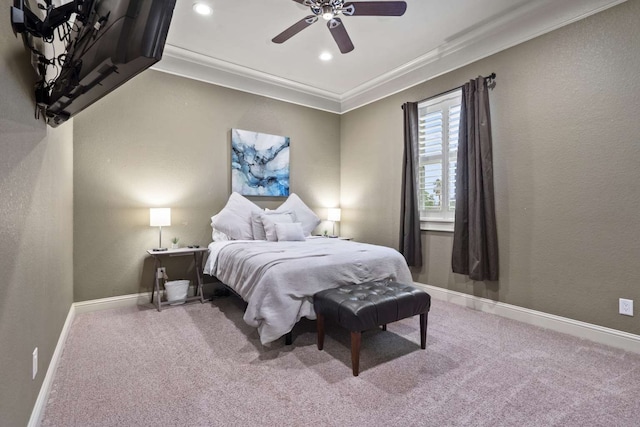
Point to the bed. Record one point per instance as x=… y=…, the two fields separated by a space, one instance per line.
x=270 y=260
x=278 y=279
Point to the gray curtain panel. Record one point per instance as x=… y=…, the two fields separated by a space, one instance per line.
x=410 y=241
x=475 y=237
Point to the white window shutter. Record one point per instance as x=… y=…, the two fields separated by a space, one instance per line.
x=438 y=125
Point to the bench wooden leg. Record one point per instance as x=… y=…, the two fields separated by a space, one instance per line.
x=320 y=325
x=355 y=352
x=423 y=330
x=384 y=327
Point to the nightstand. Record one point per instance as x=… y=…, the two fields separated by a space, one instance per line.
x=197 y=253
x=333 y=237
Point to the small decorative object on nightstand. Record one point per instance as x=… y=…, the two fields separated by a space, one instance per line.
x=174 y=243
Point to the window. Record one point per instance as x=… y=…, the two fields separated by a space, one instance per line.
x=438 y=122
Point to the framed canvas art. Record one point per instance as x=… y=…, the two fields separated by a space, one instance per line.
x=259 y=163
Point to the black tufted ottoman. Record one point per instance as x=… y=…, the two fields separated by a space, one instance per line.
x=368 y=305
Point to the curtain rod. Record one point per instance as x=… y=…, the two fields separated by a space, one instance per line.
x=492 y=76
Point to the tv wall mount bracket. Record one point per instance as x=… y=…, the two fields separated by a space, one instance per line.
x=24 y=20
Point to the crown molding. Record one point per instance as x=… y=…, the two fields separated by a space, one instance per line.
x=185 y=63
x=519 y=25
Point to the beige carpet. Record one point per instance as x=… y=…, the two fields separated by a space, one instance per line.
x=201 y=365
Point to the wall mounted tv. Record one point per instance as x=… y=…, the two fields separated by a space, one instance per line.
x=110 y=42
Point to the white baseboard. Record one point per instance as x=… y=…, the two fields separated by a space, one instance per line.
x=131 y=300
x=599 y=334
x=43 y=395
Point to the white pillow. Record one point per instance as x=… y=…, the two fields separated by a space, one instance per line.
x=289 y=232
x=216 y=235
x=234 y=219
x=304 y=214
x=219 y=236
x=257 y=227
x=271 y=218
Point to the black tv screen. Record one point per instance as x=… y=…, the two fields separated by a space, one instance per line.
x=120 y=39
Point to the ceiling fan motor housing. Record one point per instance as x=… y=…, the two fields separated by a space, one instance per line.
x=325 y=8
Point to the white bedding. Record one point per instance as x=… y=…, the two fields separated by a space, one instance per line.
x=278 y=279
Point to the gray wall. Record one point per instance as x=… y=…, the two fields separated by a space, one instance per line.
x=567 y=165
x=163 y=140
x=36 y=230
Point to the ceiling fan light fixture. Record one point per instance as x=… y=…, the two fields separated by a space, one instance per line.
x=327 y=13
x=326 y=56
x=203 y=9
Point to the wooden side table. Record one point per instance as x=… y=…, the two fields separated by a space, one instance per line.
x=198 y=255
x=334 y=237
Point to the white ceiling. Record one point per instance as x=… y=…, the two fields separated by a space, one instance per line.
x=233 y=46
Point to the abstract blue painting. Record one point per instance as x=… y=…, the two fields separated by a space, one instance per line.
x=259 y=163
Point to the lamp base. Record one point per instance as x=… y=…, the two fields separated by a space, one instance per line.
x=159 y=249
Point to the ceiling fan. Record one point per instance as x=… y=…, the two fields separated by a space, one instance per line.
x=331 y=9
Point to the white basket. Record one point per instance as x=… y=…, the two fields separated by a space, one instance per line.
x=176 y=290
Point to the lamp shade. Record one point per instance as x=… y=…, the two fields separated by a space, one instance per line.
x=159 y=217
x=333 y=214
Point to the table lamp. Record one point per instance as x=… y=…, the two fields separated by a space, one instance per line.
x=333 y=215
x=159 y=217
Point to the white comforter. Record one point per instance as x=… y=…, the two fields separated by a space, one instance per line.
x=278 y=279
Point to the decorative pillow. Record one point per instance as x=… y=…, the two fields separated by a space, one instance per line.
x=257 y=227
x=216 y=235
x=234 y=219
x=219 y=236
x=271 y=218
x=304 y=214
x=289 y=232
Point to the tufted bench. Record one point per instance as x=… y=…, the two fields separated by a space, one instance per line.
x=367 y=306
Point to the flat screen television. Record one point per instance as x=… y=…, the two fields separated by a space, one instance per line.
x=118 y=40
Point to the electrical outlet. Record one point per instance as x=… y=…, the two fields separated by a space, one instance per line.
x=34 y=366
x=626 y=307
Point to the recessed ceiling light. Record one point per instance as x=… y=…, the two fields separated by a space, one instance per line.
x=203 y=9
x=326 y=56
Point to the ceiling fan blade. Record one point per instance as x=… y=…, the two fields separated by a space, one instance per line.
x=340 y=35
x=294 y=29
x=375 y=8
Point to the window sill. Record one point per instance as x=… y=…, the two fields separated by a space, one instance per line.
x=445 y=226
